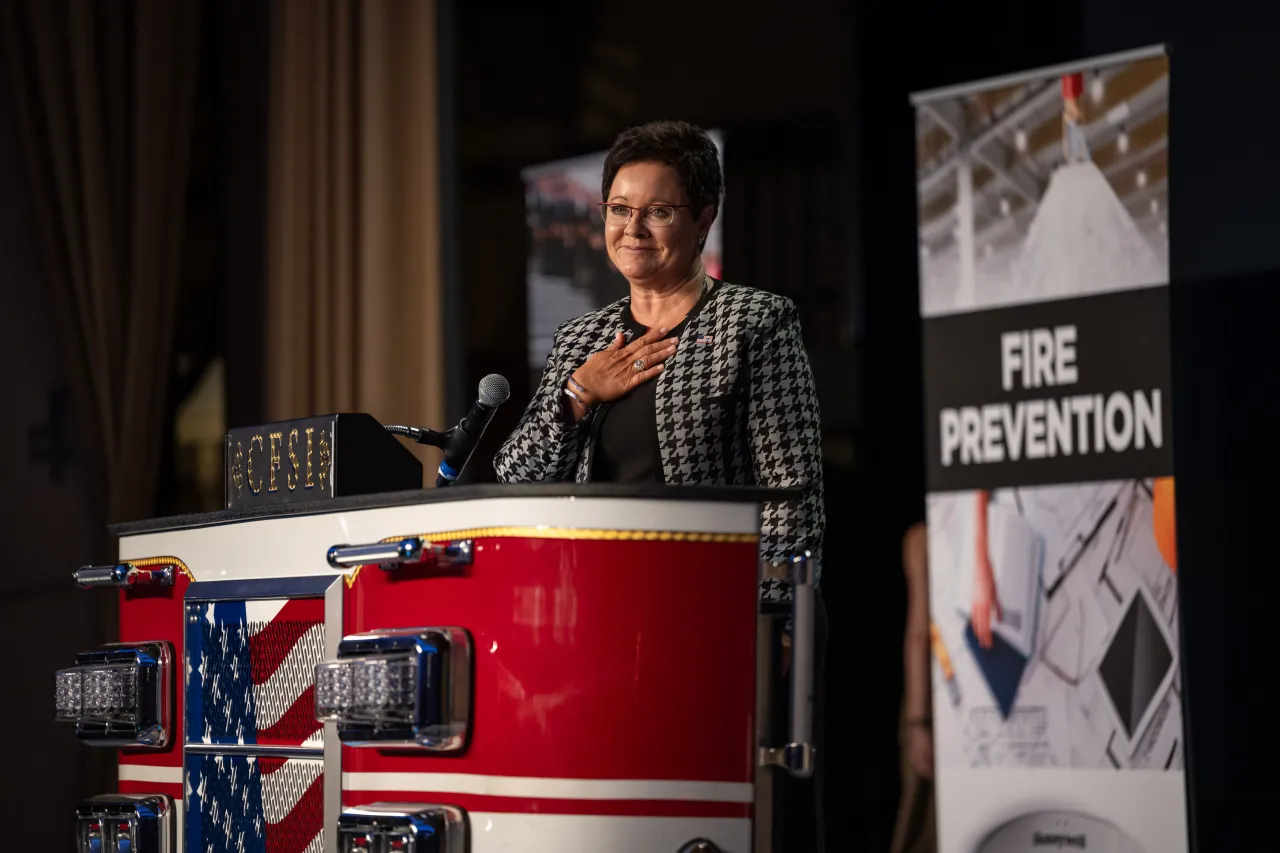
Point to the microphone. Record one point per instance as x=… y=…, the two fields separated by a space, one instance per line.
x=462 y=439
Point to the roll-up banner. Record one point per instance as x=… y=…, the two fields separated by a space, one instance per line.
x=1057 y=701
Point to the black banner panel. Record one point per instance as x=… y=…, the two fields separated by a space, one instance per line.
x=1052 y=392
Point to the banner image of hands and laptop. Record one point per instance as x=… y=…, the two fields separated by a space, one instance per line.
x=1043 y=203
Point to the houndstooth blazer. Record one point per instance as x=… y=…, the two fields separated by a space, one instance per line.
x=736 y=405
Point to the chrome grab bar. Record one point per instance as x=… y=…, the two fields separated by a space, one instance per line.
x=797 y=756
x=411 y=550
x=123 y=575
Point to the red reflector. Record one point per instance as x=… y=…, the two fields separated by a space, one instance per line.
x=95 y=826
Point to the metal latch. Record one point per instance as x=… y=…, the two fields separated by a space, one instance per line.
x=124 y=575
x=412 y=550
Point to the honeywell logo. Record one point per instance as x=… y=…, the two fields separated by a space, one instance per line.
x=1059 y=841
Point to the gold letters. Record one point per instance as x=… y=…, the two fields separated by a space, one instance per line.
x=274 y=464
x=237 y=469
x=255 y=488
x=310 y=484
x=263 y=466
x=325 y=458
x=291 y=476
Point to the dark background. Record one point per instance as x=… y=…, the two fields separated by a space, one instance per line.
x=813 y=96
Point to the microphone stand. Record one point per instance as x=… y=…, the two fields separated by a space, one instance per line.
x=422 y=435
x=460 y=442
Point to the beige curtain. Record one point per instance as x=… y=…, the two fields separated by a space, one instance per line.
x=103 y=95
x=354 y=278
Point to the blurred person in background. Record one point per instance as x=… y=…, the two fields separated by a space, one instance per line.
x=916 y=830
x=688 y=380
x=567 y=239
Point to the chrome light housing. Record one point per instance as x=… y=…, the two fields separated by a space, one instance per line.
x=402 y=828
x=407 y=688
x=118 y=695
x=125 y=823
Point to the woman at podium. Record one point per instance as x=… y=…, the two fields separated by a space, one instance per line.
x=688 y=380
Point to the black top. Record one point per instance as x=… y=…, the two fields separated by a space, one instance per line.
x=625 y=431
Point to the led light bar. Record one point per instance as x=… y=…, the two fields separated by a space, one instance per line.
x=118 y=695
x=409 y=687
x=402 y=828
x=125 y=823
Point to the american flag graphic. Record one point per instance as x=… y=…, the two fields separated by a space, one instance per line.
x=250 y=671
x=247 y=804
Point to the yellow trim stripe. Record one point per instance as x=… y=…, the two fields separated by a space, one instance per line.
x=581 y=534
x=148 y=562
x=572 y=533
x=518 y=533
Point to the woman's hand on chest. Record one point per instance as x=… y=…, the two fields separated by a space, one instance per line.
x=620 y=367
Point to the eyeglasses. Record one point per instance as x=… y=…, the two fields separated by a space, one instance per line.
x=658 y=216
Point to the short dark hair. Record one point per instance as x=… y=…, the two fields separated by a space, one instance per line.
x=684 y=147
